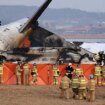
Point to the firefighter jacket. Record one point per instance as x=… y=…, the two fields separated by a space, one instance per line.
x=56 y=71
x=82 y=83
x=98 y=70
x=97 y=57
x=75 y=82
x=18 y=70
x=103 y=71
x=65 y=83
x=91 y=84
x=78 y=71
x=34 y=72
x=1 y=69
x=26 y=68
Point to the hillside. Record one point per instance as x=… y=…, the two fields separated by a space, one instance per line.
x=67 y=16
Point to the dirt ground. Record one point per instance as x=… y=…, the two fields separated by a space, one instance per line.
x=42 y=95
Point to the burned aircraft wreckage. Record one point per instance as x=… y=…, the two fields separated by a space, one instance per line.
x=46 y=47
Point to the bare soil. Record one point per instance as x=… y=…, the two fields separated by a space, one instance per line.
x=42 y=95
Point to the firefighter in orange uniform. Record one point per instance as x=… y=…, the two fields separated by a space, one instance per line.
x=1 y=73
x=91 y=89
x=18 y=74
x=56 y=74
x=26 y=73
x=98 y=74
x=65 y=85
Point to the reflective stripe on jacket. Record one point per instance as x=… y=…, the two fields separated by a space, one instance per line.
x=82 y=84
x=75 y=83
x=98 y=71
x=1 y=69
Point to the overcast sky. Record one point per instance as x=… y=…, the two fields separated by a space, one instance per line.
x=88 y=5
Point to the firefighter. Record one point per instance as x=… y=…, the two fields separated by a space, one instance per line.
x=103 y=75
x=65 y=85
x=26 y=72
x=48 y=74
x=98 y=73
x=82 y=87
x=56 y=74
x=1 y=72
x=69 y=70
x=78 y=70
x=34 y=74
x=91 y=88
x=103 y=58
x=18 y=74
x=97 y=58
x=75 y=86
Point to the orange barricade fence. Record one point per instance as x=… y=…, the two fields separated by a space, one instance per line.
x=45 y=75
x=87 y=69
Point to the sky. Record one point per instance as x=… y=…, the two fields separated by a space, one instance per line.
x=87 y=5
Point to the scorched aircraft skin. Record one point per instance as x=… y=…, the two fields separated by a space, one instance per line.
x=46 y=47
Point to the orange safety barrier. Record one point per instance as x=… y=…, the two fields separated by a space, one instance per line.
x=45 y=76
x=87 y=69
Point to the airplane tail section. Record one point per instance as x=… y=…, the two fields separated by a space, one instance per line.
x=33 y=20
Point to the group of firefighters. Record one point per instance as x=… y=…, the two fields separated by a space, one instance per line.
x=100 y=68
x=73 y=79
x=81 y=87
x=23 y=73
x=100 y=58
x=26 y=73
